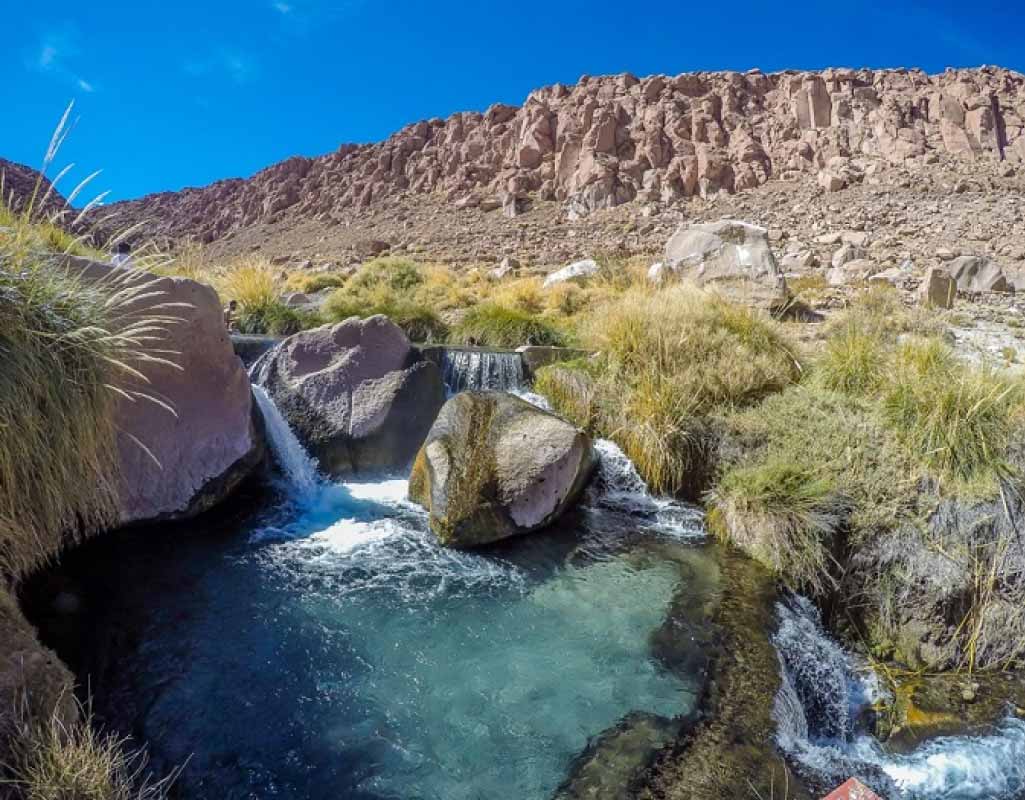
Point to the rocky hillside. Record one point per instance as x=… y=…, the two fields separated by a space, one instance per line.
x=19 y=182
x=617 y=139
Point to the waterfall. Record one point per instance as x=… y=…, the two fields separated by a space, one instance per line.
x=482 y=369
x=299 y=468
x=822 y=693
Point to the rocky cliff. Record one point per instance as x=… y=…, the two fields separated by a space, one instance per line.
x=610 y=140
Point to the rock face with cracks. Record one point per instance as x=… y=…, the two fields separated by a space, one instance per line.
x=495 y=466
x=356 y=394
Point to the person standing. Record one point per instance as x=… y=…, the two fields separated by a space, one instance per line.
x=122 y=256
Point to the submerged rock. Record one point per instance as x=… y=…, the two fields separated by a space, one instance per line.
x=178 y=463
x=356 y=393
x=494 y=466
x=611 y=765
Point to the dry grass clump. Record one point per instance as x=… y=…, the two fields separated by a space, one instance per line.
x=57 y=760
x=254 y=283
x=668 y=359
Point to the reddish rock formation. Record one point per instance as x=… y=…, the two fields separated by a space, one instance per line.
x=19 y=184
x=610 y=140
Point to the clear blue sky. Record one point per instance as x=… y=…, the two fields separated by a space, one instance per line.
x=173 y=94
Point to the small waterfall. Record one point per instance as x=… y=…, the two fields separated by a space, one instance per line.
x=822 y=693
x=299 y=468
x=482 y=369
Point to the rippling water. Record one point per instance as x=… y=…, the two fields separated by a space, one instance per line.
x=328 y=648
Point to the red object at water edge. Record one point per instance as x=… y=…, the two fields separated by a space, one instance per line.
x=852 y=790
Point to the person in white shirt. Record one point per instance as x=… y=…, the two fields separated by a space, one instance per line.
x=122 y=255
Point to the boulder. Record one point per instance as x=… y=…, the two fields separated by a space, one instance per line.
x=727 y=251
x=846 y=252
x=175 y=464
x=937 y=289
x=356 y=393
x=577 y=272
x=506 y=267
x=495 y=466
x=978 y=274
x=856 y=271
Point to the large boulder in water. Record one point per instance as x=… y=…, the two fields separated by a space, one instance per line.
x=179 y=460
x=357 y=394
x=728 y=253
x=495 y=466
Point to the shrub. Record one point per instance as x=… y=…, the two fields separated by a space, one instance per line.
x=490 y=325
x=523 y=294
x=276 y=319
x=252 y=282
x=572 y=391
x=397 y=274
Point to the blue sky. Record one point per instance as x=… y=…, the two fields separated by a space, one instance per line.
x=174 y=94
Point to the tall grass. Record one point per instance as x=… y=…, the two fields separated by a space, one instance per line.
x=667 y=360
x=59 y=760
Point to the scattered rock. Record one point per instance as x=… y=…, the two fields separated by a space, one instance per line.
x=577 y=272
x=506 y=267
x=722 y=252
x=495 y=466
x=938 y=289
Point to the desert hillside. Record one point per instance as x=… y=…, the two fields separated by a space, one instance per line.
x=614 y=162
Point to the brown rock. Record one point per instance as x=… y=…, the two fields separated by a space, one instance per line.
x=938 y=289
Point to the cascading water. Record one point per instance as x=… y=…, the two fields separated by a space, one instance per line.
x=327 y=646
x=482 y=369
x=824 y=690
x=298 y=467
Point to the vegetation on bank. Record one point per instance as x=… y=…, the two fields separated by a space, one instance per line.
x=56 y=760
x=71 y=348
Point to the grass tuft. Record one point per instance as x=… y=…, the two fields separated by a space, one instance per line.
x=491 y=325
x=58 y=760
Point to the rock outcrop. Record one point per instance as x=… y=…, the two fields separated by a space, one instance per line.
x=613 y=139
x=495 y=466
x=356 y=393
x=179 y=457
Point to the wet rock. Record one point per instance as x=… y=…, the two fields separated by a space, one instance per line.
x=495 y=466
x=610 y=766
x=356 y=394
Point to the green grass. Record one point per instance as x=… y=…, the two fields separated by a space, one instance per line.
x=490 y=325
x=957 y=420
x=420 y=324
x=784 y=515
